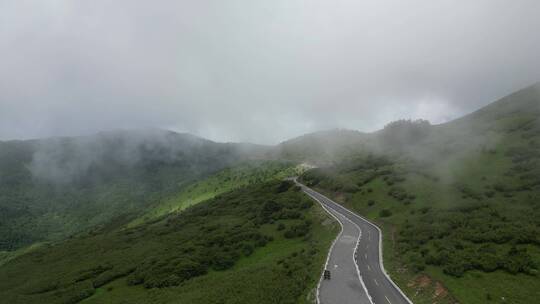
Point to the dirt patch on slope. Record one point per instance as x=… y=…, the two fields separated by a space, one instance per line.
x=424 y=284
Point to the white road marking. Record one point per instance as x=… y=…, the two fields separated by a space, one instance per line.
x=387 y=299
x=368 y=268
x=335 y=266
x=334 y=242
x=331 y=247
x=365 y=255
x=343 y=211
x=376 y=283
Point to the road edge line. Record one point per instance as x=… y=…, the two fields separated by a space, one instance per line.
x=381 y=263
x=354 y=256
x=332 y=247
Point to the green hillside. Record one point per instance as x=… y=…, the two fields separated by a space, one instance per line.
x=53 y=188
x=264 y=243
x=161 y=217
x=226 y=180
x=324 y=147
x=458 y=202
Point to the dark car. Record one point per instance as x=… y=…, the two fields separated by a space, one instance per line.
x=326 y=275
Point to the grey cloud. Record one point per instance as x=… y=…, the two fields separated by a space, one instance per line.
x=259 y=71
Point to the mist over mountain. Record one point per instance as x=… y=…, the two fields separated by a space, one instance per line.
x=269 y=152
x=442 y=187
x=459 y=201
x=422 y=140
x=66 y=159
x=51 y=188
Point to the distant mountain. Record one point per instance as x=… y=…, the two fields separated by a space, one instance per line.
x=51 y=188
x=525 y=101
x=519 y=110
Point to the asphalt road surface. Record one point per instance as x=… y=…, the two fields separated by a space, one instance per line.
x=354 y=261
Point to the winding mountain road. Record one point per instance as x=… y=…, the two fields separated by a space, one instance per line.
x=355 y=261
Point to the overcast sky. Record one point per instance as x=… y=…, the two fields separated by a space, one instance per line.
x=256 y=71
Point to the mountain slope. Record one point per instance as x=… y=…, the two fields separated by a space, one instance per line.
x=458 y=202
x=52 y=188
x=226 y=180
x=323 y=147
x=260 y=244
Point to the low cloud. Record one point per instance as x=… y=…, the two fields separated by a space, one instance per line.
x=256 y=71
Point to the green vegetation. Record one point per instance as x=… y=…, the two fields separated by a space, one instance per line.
x=228 y=179
x=323 y=147
x=53 y=188
x=458 y=203
x=240 y=247
x=131 y=217
x=6 y=256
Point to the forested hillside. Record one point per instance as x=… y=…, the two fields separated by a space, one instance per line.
x=52 y=188
x=459 y=203
x=228 y=179
x=265 y=243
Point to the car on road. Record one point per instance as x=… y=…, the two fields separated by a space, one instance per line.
x=326 y=274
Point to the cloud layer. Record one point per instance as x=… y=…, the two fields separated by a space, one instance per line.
x=258 y=71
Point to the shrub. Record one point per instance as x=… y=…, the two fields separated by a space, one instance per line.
x=284 y=186
x=385 y=213
x=456 y=270
x=297 y=230
x=398 y=193
x=110 y=276
x=518 y=260
x=351 y=188
x=247 y=249
x=425 y=210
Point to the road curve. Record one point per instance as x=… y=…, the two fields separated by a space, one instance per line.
x=355 y=261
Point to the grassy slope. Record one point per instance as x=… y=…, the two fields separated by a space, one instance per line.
x=6 y=256
x=223 y=181
x=231 y=249
x=473 y=286
x=459 y=200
